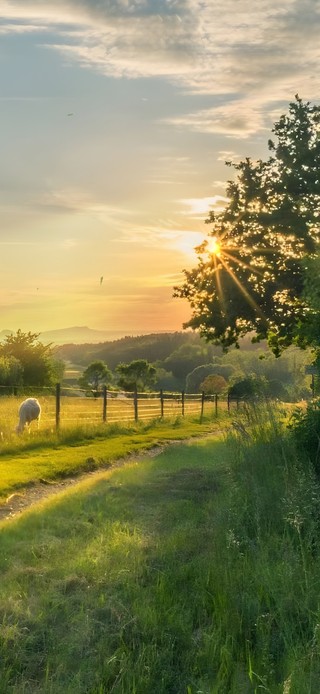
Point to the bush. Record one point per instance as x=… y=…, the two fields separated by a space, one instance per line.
x=213 y=384
x=250 y=387
x=305 y=428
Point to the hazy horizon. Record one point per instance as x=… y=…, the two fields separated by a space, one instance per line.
x=80 y=334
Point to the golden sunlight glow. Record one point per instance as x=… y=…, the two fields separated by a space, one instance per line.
x=186 y=243
x=214 y=247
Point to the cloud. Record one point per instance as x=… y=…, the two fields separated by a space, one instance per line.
x=226 y=155
x=248 y=58
x=238 y=119
x=17 y=28
x=202 y=206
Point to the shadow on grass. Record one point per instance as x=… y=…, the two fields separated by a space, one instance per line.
x=103 y=582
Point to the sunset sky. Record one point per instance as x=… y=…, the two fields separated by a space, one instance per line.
x=116 y=118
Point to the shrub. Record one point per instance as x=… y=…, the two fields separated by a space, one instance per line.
x=251 y=386
x=213 y=384
x=305 y=428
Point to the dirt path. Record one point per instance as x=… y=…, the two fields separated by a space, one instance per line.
x=19 y=501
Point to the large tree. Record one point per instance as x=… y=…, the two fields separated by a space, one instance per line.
x=95 y=375
x=251 y=270
x=138 y=375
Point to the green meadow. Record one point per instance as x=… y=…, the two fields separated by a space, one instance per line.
x=51 y=455
x=193 y=572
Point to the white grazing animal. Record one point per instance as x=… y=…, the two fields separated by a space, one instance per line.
x=29 y=410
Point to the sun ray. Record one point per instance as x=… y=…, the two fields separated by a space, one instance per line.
x=242 y=263
x=219 y=286
x=243 y=290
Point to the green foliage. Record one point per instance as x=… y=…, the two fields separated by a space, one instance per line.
x=195 y=378
x=95 y=375
x=37 y=360
x=267 y=232
x=138 y=375
x=165 y=380
x=152 y=347
x=274 y=526
x=185 y=359
x=305 y=428
x=250 y=387
x=213 y=384
x=11 y=373
x=309 y=330
x=289 y=370
x=276 y=389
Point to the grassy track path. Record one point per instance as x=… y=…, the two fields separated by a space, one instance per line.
x=19 y=501
x=36 y=491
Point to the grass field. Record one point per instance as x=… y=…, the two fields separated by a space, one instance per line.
x=196 y=572
x=75 y=411
x=49 y=455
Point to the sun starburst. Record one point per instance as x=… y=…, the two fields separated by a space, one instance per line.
x=214 y=246
x=224 y=254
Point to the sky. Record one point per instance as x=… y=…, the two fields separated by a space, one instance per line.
x=116 y=120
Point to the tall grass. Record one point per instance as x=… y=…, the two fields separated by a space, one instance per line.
x=274 y=558
x=196 y=572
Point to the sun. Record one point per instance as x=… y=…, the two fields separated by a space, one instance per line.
x=214 y=247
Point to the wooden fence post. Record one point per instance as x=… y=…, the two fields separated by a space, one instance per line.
x=202 y=406
x=216 y=404
x=135 y=405
x=104 y=409
x=182 y=403
x=161 y=403
x=58 y=396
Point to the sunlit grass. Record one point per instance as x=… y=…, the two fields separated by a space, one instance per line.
x=87 y=413
x=28 y=459
x=197 y=571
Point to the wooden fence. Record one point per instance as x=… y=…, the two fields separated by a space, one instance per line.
x=65 y=407
x=115 y=406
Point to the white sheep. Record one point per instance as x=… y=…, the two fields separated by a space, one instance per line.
x=29 y=410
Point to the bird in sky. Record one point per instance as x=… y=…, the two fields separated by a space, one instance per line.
x=101 y=280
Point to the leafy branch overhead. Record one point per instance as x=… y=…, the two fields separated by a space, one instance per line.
x=252 y=269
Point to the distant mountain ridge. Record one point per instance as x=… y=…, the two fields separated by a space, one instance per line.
x=76 y=335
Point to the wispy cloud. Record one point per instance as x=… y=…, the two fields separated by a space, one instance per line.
x=253 y=56
x=226 y=155
x=21 y=28
x=200 y=207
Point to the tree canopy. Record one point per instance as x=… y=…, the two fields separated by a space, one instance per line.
x=138 y=375
x=213 y=384
x=95 y=375
x=39 y=368
x=11 y=372
x=252 y=268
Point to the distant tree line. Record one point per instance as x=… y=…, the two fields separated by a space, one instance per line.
x=192 y=366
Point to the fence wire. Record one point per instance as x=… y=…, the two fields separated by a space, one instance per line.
x=66 y=406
